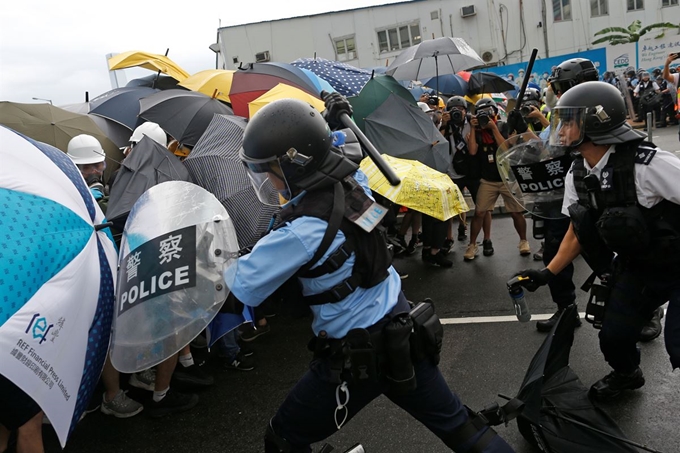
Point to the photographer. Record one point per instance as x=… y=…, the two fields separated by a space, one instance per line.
x=647 y=93
x=464 y=170
x=673 y=79
x=487 y=136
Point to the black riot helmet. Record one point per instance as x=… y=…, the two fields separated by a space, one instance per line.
x=572 y=72
x=532 y=94
x=456 y=102
x=486 y=104
x=290 y=140
x=592 y=111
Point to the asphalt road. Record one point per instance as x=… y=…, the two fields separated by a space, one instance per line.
x=479 y=360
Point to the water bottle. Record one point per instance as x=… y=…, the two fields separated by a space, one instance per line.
x=517 y=295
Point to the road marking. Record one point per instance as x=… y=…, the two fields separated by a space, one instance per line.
x=490 y=319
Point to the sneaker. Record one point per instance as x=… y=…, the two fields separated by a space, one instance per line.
x=524 y=247
x=411 y=247
x=547 y=324
x=194 y=376
x=401 y=240
x=447 y=246
x=538 y=256
x=246 y=349
x=144 y=380
x=121 y=406
x=487 y=247
x=440 y=259
x=249 y=332
x=613 y=384
x=402 y=275
x=462 y=233
x=240 y=362
x=173 y=403
x=652 y=329
x=471 y=252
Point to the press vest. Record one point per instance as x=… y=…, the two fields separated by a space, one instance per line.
x=644 y=236
x=373 y=259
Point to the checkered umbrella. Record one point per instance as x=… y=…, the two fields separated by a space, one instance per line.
x=346 y=79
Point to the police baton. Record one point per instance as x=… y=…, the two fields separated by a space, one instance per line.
x=527 y=76
x=372 y=152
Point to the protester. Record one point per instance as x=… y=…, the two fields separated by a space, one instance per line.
x=21 y=414
x=635 y=215
x=353 y=295
x=674 y=79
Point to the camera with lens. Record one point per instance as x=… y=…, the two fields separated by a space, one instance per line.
x=457 y=117
x=434 y=101
x=483 y=118
x=526 y=108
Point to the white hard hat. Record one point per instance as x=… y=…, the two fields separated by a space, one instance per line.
x=151 y=130
x=85 y=149
x=424 y=107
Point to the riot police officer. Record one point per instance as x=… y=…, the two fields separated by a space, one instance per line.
x=622 y=196
x=361 y=320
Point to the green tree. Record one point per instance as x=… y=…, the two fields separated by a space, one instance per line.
x=633 y=33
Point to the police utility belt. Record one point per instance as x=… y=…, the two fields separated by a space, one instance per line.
x=387 y=350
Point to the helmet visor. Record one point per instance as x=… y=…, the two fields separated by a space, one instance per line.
x=561 y=86
x=567 y=126
x=269 y=182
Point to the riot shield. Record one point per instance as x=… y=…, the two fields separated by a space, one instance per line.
x=177 y=243
x=534 y=172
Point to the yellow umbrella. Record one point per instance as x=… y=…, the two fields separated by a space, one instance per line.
x=151 y=61
x=208 y=81
x=422 y=188
x=283 y=91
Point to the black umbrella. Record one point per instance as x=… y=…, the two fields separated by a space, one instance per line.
x=147 y=165
x=160 y=82
x=119 y=134
x=401 y=129
x=183 y=114
x=488 y=82
x=121 y=105
x=214 y=164
x=558 y=417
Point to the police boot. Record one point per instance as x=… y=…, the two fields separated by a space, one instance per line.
x=613 y=384
x=548 y=324
x=652 y=329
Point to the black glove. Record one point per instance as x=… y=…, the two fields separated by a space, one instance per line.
x=534 y=278
x=516 y=122
x=336 y=104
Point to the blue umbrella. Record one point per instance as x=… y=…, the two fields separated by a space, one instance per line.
x=57 y=269
x=346 y=79
x=449 y=84
x=318 y=82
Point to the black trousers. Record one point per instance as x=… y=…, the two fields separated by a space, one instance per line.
x=562 y=287
x=434 y=232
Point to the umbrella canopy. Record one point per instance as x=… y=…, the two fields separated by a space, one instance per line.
x=215 y=165
x=488 y=82
x=448 y=84
x=433 y=58
x=282 y=91
x=208 y=81
x=346 y=79
x=422 y=188
x=373 y=94
x=183 y=114
x=557 y=404
x=121 y=105
x=118 y=133
x=146 y=60
x=160 y=82
x=55 y=126
x=319 y=83
x=148 y=165
x=177 y=244
x=57 y=286
x=401 y=129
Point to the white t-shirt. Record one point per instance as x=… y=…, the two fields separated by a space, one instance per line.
x=653 y=183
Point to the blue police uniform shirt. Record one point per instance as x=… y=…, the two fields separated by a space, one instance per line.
x=280 y=254
x=545 y=133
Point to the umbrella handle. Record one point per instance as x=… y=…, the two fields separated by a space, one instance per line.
x=527 y=76
x=371 y=150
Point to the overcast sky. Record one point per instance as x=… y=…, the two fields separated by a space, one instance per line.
x=57 y=49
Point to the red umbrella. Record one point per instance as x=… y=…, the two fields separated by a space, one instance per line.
x=465 y=75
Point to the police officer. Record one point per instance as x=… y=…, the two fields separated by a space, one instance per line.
x=622 y=196
x=353 y=291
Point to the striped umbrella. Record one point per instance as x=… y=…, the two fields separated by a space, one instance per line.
x=57 y=273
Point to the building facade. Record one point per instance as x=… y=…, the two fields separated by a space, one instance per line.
x=502 y=32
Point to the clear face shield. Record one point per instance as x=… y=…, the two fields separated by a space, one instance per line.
x=567 y=126
x=269 y=182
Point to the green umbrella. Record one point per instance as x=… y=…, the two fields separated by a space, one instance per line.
x=373 y=94
x=56 y=126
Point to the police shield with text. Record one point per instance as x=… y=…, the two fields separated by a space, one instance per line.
x=623 y=200
x=367 y=339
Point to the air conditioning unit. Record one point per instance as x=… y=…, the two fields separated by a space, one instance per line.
x=489 y=56
x=467 y=11
x=261 y=57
